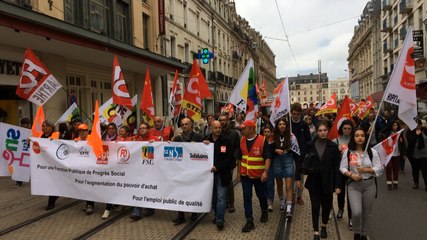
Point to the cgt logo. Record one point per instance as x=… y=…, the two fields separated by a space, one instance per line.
x=103 y=159
x=36 y=147
x=123 y=154
x=147 y=155
x=172 y=153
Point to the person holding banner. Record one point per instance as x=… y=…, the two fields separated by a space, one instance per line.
x=25 y=123
x=163 y=133
x=124 y=134
x=393 y=166
x=361 y=167
x=83 y=136
x=48 y=129
x=73 y=133
x=325 y=180
x=224 y=164
x=282 y=166
x=111 y=132
x=188 y=135
x=254 y=159
x=417 y=152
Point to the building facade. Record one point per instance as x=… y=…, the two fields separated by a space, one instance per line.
x=339 y=86
x=78 y=39
x=307 y=89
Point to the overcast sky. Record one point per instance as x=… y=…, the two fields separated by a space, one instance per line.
x=317 y=29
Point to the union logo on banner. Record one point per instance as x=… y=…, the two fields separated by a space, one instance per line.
x=103 y=159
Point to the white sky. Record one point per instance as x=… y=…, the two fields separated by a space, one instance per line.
x=310 y=39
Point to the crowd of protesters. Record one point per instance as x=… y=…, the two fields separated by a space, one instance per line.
x=262 y=156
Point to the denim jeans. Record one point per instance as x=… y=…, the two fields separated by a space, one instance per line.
x=260 y=190
x=282 y=166
x=219 y=198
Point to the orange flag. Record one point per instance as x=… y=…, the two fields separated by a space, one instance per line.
x=364 y=108
x=36 y=129
x=94 y=139
x=344 y=113
x=195 y=91
x=147 y=105
x=330 y=106
x=120 y=91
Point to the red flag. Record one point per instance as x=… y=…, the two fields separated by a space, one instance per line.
x=36 y=83
x=147 y=105
x=364 y=108
x=344 y=113
x=353 y=106
x=175 y=98
x=195 y=91
x=94 y=139
x=277 y=89
x=36 y=129
x=120 y=91
x=330 y=106
x=386 y=148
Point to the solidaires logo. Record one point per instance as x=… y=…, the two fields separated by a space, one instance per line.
x=172 y=153
x=199 y=156
x=63 y=151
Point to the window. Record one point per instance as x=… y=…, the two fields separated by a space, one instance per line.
x=107 y=17
x=186 y=53
x=145 y=30
x=185 y=15
x=173 y=46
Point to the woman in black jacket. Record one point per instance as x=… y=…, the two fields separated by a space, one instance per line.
x=326 y=178
x=417 y=152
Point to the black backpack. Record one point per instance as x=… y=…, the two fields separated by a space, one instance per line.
x=370 y=154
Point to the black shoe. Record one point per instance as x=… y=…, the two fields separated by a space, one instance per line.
x=220 y=225
x=356 y=236
x=149 y=212
x=50 y=207
x=363 y=237
x=323 y=233
x=316 y=237
x=264 y=216
x=350 y=224
x=425 y=189
x=389 y=187
x=178 y=221
x=231 y=208
x=214 y=220
x=339 y=214
x=249 y=225
x=416 y=186
x=395 y=186
x=194 y=216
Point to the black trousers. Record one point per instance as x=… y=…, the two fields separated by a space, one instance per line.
x=342 y=196
x=319 y=198
x=418 y=164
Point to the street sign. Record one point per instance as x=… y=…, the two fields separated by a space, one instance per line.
x=418 y=38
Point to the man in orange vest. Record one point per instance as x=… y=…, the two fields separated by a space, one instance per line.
x=254 y=158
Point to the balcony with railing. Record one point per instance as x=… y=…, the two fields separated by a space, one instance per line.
x=405 y=6
x=386 y=26
x=387 y=5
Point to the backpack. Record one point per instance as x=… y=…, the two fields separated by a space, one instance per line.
x=370 y=154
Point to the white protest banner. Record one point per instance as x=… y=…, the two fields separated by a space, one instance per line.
x=15 y=152
x=171 y=176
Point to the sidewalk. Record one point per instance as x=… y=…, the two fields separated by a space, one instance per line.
x=302 y=228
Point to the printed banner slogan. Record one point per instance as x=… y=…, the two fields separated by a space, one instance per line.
x=171 y=176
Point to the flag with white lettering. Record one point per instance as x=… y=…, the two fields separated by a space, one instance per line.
x=401 y=86
x=239 y=95
x=36 y=83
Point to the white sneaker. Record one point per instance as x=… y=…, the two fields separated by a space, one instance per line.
x=282 y=205
x=289 y=211
x=106 y=214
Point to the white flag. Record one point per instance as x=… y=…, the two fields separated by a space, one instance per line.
x=281 y=103
x=294 y=145
x=386 y=148
x=239 y=95
x=72 y=111
x=122 y=113
x=401 y=87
